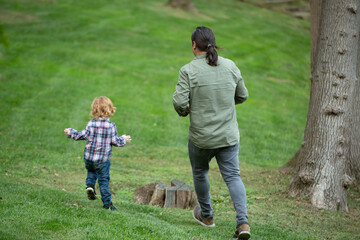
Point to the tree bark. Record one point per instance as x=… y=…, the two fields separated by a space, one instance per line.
x=158 y=197
x=185 y=195
x=315 y=19
x=322 y=169
x=143 y=194
x=355 y=133
x=170 y=200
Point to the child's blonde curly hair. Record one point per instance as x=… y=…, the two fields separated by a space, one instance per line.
x=102 y=107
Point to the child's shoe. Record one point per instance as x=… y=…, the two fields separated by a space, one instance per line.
x=109 y=206
x=90 y=193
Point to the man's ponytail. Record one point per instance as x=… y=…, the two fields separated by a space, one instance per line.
x=205 y=41
x=211 y=55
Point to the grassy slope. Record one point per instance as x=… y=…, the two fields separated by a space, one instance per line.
x=65 y=53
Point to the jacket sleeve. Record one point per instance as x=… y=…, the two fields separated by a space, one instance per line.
x=241 y=92
x=115 y=139
x=78 y=135
x=181 y=95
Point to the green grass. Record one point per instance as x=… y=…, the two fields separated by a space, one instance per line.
x=64 y=53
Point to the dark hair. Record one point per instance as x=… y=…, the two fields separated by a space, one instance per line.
x=205 y=41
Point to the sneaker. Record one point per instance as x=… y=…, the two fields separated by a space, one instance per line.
x=109 y=206
x=242 y=232
x=207 y=222
x=91 y=193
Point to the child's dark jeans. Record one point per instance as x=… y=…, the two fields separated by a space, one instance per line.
x=101 y=172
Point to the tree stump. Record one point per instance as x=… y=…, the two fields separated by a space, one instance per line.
x=178 y=195
x=185 y=195
x=144 y=194
x=170 y=198
x=158 y=198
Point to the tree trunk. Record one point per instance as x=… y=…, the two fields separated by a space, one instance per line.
x=322 y=169
x=315 y=19
x=355 y=133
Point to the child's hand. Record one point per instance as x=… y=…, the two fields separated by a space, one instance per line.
x=127 y=138
x=66 y=131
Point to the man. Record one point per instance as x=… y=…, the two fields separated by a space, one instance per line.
x=208 y=89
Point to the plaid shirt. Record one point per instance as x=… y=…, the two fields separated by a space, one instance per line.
x=101 y=135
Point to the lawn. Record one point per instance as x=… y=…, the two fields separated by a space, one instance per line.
x=63 y=54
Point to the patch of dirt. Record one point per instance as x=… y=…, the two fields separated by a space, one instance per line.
x=13 y=17
x=297 y=8
x=179 y=13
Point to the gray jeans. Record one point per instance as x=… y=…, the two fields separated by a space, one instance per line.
x=228 y=161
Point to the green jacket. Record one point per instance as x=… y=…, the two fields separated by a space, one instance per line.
x=211 y=94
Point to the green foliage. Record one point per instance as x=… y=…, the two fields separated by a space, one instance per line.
x=65 y=53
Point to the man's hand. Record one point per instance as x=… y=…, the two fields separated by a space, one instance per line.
x=187 y=111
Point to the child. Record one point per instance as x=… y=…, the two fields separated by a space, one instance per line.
x=101 y=135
